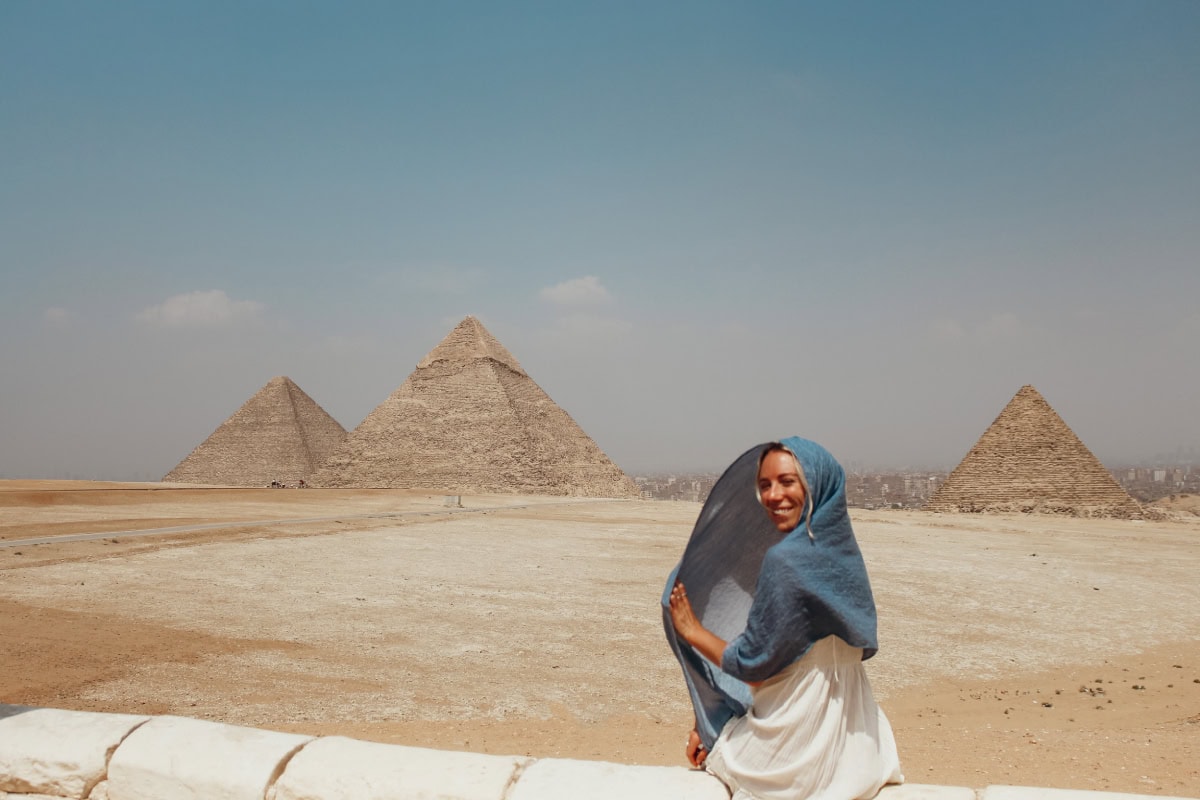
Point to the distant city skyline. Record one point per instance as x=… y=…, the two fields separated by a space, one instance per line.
x=697 y=227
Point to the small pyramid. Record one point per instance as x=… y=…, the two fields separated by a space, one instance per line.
x=279 y=434
x=1028 y=460
x=470 y=420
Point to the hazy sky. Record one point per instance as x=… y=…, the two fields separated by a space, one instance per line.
x=697 y=225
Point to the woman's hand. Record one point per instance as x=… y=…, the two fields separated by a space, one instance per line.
x=689 y=628
x=682 y=616
x=691 y=631
x=696 y=752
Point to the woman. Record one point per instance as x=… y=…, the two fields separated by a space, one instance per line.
x=771 y=616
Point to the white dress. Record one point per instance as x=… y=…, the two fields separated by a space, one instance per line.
x=813 y=732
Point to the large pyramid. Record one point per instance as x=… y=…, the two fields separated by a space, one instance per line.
x=469 y=419
x=279 y=434
x=1028 y=460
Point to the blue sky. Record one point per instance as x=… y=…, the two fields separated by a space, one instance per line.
x=697 y=225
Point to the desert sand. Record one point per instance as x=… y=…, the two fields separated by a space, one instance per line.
x=1014 y=649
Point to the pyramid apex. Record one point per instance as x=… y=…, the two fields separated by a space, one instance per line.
x=470 y=341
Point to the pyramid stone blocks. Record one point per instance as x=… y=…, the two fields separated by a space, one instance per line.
x=1028 y=460
x=469 y=419
x=278 y=434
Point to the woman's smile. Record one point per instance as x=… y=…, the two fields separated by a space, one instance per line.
x=781 y=489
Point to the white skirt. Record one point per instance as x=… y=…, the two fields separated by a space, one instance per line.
x=813 y=732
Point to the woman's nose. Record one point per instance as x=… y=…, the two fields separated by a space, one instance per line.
x=772 y=492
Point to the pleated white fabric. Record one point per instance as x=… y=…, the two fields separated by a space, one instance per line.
x=813 y=732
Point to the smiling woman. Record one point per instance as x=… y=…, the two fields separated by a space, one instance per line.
x=773 y=636
x=782 y=488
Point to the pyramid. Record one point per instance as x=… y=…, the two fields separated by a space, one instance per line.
x=279 y=434
x=470 y=420
x=1028 y=460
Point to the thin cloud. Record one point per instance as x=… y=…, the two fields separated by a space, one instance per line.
x=593 y=328
x=347 y=345
x=58 y=317
x=576 y=292
x=946 y=329
x=1001 y=326
x=437 y=279
x=200 y=309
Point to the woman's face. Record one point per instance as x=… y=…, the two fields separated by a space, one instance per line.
x=781 y=490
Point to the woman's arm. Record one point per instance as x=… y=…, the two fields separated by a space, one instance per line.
x=707 y=643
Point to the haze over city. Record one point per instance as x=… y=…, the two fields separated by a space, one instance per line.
x=697 y=226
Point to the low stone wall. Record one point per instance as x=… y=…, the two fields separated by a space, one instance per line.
x=51 y=753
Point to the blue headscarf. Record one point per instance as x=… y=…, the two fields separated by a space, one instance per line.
x=771 y=598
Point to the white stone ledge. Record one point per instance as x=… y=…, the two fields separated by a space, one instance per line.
x=558 y=778
x=1038 y=793
x=56 y=753
x=925 y=791
x=177 y=757
x=337 y=768
x=50 y=754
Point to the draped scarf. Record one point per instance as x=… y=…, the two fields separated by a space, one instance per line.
x=770 y=595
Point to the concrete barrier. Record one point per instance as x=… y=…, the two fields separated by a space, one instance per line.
x=50 y=754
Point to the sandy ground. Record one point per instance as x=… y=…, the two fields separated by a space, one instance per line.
x=1022 y=650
